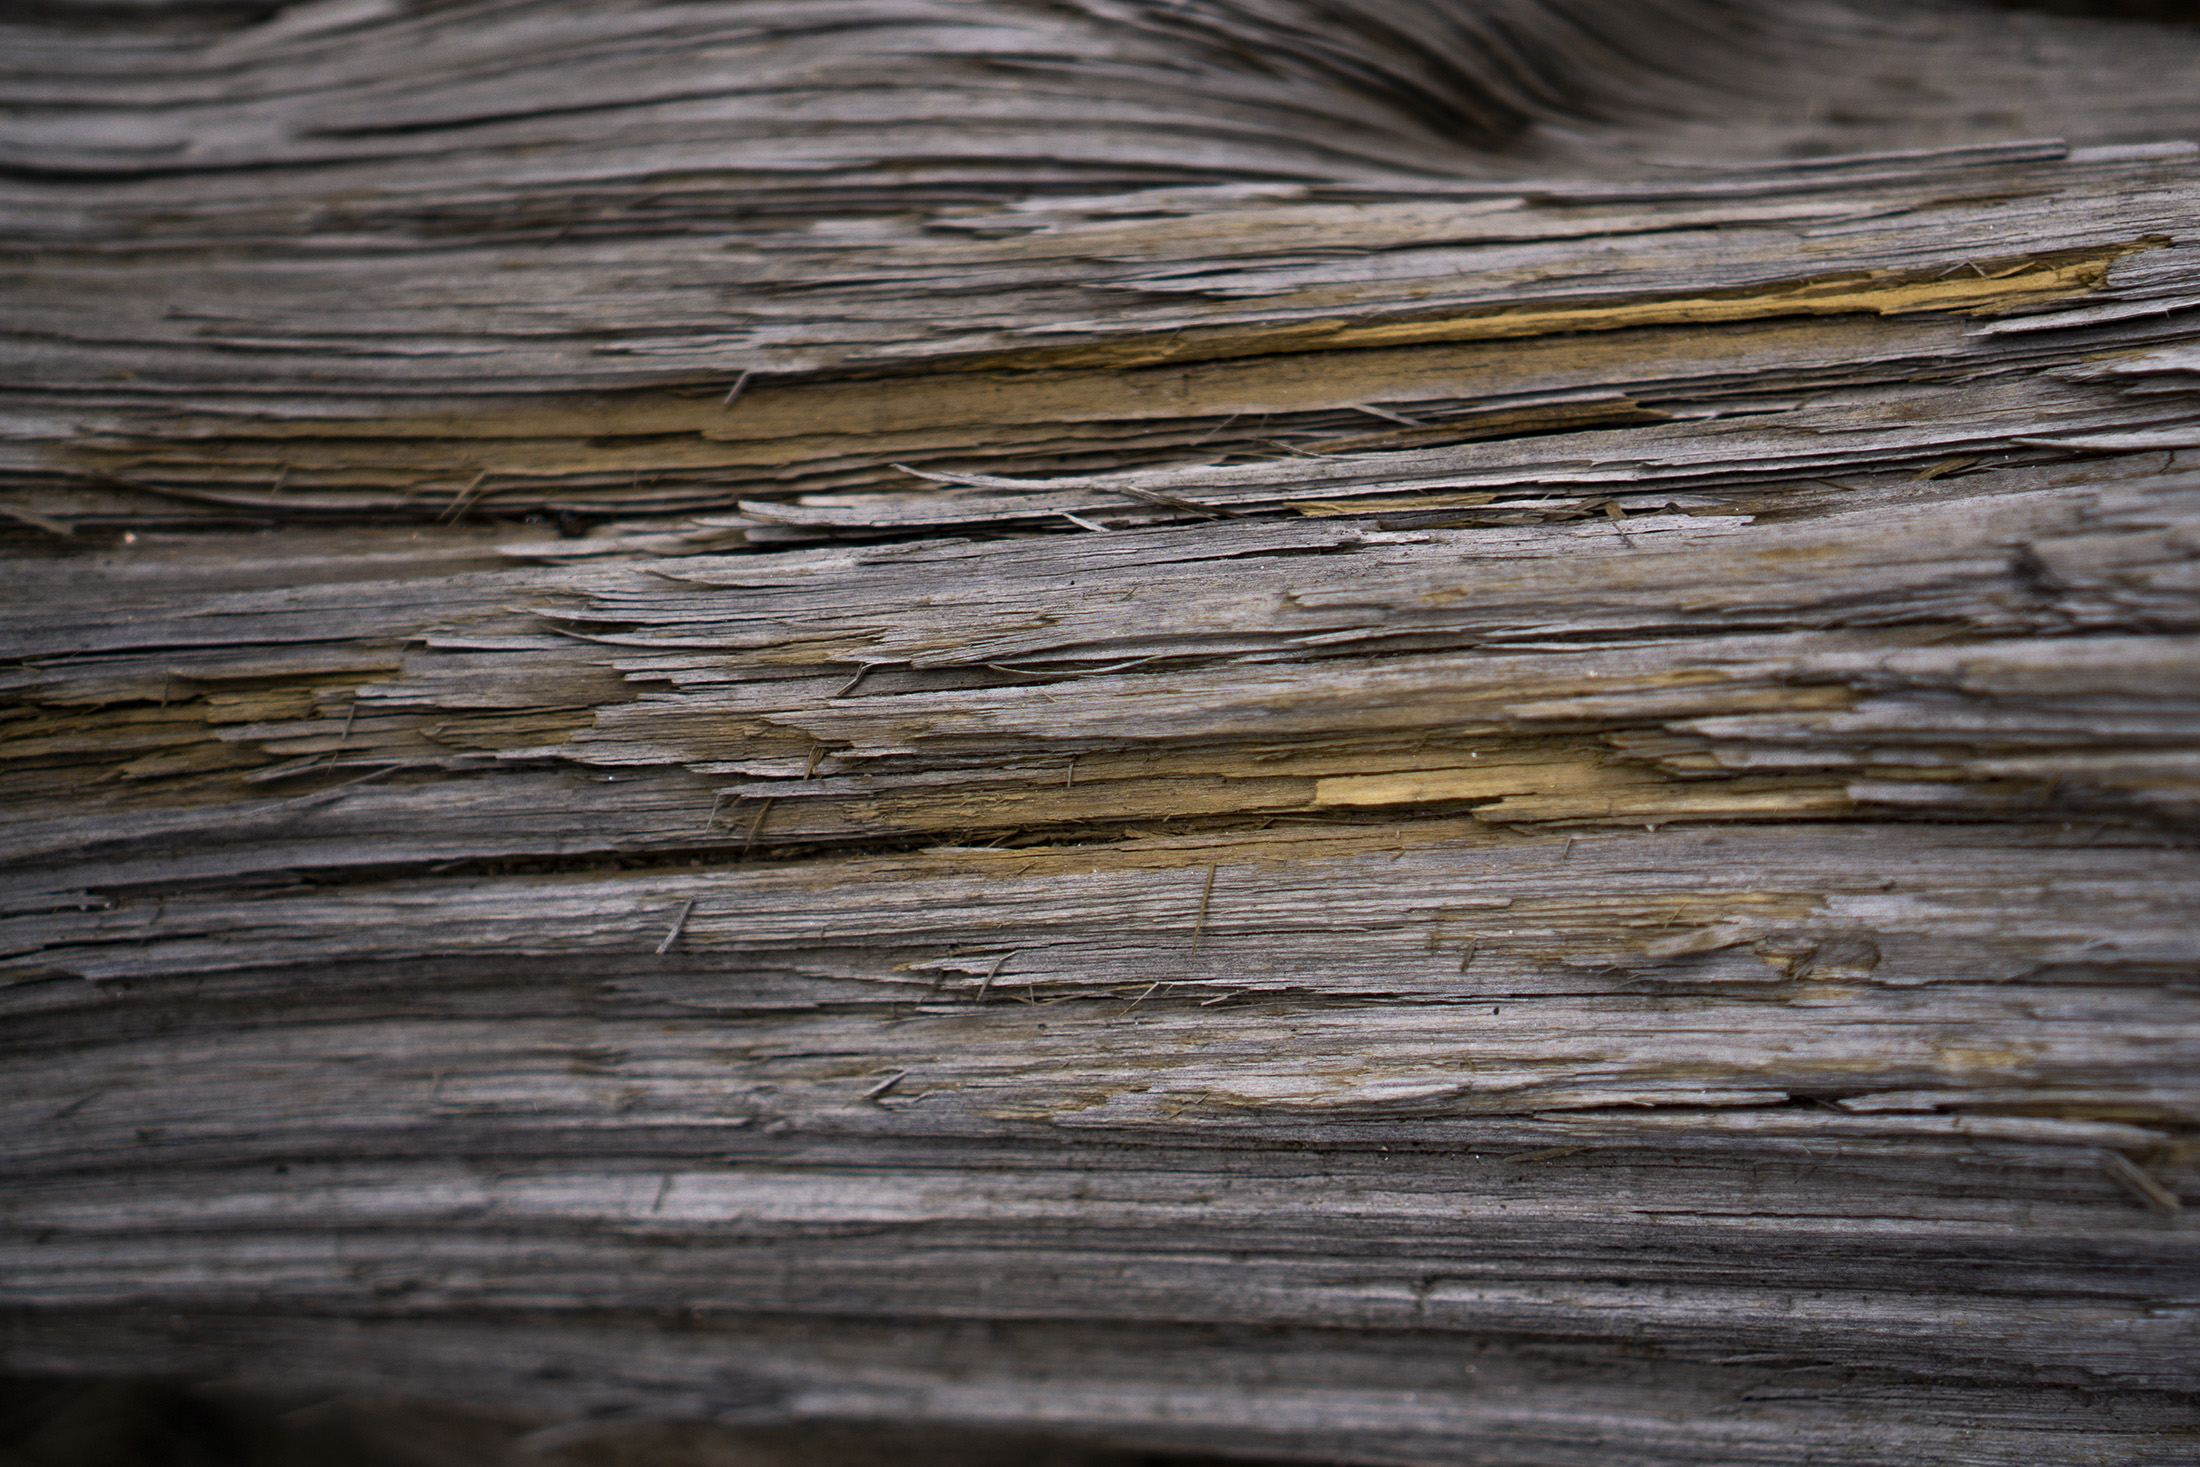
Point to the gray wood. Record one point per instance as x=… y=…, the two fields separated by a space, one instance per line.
x=1393 y=732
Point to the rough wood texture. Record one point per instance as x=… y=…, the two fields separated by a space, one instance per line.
x=1396 y=732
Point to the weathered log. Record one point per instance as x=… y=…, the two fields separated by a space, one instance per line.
x=1384 y=732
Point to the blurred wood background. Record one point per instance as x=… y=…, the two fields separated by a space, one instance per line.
x=1380 y=731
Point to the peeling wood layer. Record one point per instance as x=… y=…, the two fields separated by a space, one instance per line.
x=1438 y=741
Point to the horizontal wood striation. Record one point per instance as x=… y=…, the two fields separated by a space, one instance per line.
x=1397 y=733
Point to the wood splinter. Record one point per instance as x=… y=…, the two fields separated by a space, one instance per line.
x=679 y=925
x=2140 y=1183
x=1206 y=894
x=991 y=973
x=884 y=1085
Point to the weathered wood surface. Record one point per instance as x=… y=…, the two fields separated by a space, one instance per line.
x=1399 y=733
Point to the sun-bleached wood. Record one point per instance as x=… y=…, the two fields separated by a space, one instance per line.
x=1395 y=732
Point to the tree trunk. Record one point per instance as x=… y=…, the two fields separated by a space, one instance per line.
x=1380 y=731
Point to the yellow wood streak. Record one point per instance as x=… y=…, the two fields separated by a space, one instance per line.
x=1069 y=399
x=1584 y=790
x=1995 y=287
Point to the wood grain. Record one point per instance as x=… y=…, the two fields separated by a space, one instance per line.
x=1380 y=732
